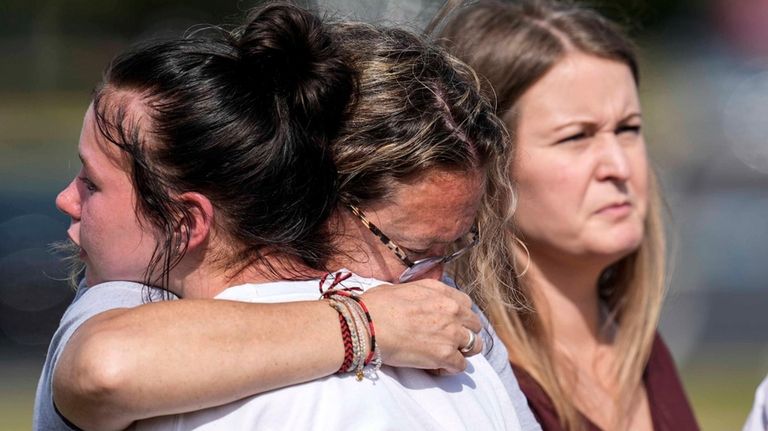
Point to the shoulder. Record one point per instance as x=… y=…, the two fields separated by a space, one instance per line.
x=538 y=400
x=668 y=402
x=661 y=364
x=495 y=352
x=88 y=302
x=91 y=301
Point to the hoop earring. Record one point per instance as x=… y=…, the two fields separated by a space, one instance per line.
x=520 y=274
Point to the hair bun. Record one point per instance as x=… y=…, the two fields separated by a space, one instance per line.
x=295 y=57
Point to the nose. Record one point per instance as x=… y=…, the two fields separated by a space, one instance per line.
x=68 y=201
x=613 y=160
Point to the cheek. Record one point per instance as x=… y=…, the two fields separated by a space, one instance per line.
x=548 y=192
x=112 y=234
x=91 y=224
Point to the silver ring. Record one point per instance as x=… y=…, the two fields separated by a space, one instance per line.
x=470 y=344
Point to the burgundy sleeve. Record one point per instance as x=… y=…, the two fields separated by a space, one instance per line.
x=669 y=405
x=540 y=403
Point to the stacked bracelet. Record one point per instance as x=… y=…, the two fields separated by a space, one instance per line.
x=357 y=328
x=348 y=351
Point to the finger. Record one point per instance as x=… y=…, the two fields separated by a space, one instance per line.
x=476 y=348
x=470 y=343
x=451 y=360
x=457 y=364
x=472 y=322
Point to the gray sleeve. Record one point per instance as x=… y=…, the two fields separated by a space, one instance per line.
x=88 y=302
x=496 y=354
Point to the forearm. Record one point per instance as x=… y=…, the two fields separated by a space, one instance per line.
x=178 y=356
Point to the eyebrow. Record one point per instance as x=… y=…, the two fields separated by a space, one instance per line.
x=431 y=241
x=84 y=161
x=592 y=124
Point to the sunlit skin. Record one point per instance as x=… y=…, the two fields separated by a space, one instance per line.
x=582 y=180
x=581 y=166
x=424 y=217
x=100 y=202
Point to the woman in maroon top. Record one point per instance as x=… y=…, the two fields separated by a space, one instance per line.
x=577 y=297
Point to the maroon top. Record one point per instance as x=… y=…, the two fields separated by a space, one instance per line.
x=669 y=406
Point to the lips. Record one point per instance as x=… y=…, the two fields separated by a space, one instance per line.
x=616 y=209
x=80 y=252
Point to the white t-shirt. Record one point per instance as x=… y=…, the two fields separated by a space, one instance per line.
x=758 y=417
x=398 y=399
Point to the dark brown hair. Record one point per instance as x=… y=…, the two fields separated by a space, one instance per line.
x=244 y=118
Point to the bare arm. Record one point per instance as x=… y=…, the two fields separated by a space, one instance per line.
x=177 y=356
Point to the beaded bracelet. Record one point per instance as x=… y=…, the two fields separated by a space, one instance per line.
x=354 y=316
x=347 y=338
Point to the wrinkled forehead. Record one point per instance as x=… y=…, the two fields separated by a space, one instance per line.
x=442 y=190
x=438 y=206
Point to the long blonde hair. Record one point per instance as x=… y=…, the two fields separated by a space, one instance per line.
x=512 y=46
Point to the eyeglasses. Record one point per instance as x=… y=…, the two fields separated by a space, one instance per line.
x=421 y=266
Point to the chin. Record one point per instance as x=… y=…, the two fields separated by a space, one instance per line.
x=618 y=244
x=619 y=250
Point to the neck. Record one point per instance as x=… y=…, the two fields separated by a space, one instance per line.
x=203 y=276
x=566 y=295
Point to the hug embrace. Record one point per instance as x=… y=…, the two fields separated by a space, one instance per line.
x=271 y=220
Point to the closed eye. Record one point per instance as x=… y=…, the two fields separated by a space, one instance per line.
x=635 y=129
x=573 y=138
x=89 y=185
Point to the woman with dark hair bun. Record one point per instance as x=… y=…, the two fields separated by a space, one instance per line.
x=219 y=166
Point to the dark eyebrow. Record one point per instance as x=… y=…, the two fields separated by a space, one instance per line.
x=588 y=124
x=584 y=124
x=587 y=127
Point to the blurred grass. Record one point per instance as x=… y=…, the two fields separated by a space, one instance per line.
x=17 y=396
x=721 y=382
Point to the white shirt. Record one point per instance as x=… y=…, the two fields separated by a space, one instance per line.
x=758 y=417
x=398 y=399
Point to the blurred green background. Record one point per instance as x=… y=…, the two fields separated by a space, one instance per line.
x=704 y=87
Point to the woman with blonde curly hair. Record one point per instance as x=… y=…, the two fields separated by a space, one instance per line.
x=574 y=281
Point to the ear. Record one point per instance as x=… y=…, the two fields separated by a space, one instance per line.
x=201 y=223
